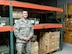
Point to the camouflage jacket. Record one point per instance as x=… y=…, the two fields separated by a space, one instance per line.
x=23 y=29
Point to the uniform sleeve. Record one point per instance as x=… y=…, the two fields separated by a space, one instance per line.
x=17 y=30
x=31 y=31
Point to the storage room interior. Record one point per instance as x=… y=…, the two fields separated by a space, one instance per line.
x=52 y=25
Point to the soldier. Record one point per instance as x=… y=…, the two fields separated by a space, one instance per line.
x=23 y=31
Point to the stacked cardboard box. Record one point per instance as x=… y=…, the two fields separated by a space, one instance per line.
x=44 y=43
x=68 y=24
x=68 y=30
x=49 y=42
x=17 y=13
x=34 y=48
x=68 y=37
x=69 y=8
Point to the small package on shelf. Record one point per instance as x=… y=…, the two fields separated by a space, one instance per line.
x=4 y=21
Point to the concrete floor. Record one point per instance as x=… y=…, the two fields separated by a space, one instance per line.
x=66 y=50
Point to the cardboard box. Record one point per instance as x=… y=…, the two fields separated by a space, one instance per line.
x=49 y=42
x=68 y=37
x=17 y=13
x=56 y=45
x=34 y=48
x=51 y=46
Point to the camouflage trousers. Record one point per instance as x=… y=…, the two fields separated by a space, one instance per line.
x=23 y=48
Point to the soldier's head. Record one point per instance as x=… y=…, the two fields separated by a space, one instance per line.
x=25 y=14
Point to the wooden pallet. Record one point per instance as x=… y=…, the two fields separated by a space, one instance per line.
x=53 y=51
x=42 y=52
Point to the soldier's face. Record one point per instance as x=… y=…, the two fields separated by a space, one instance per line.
x=25 y=14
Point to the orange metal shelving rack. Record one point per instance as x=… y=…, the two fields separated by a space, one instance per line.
x=31 y=6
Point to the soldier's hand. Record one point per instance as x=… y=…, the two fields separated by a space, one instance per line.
x=28 y=38
x=25 y=38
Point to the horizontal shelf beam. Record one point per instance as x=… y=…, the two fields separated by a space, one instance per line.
x=5 y=3
x=47 y=26
x=35 y=6
x=40 y=26
x=5 y=28
x=31 y=6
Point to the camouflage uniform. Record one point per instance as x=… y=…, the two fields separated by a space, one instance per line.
x=23 y=29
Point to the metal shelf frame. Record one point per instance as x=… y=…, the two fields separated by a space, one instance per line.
x=32 y=6
x=11 y=33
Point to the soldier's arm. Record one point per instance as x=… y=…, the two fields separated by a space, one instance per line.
x=31 y=32
x=17 y=30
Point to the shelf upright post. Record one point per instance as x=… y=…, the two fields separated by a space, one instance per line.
x=61 y=37
x=11 y=33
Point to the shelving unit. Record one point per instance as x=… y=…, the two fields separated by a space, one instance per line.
x=12 y=4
